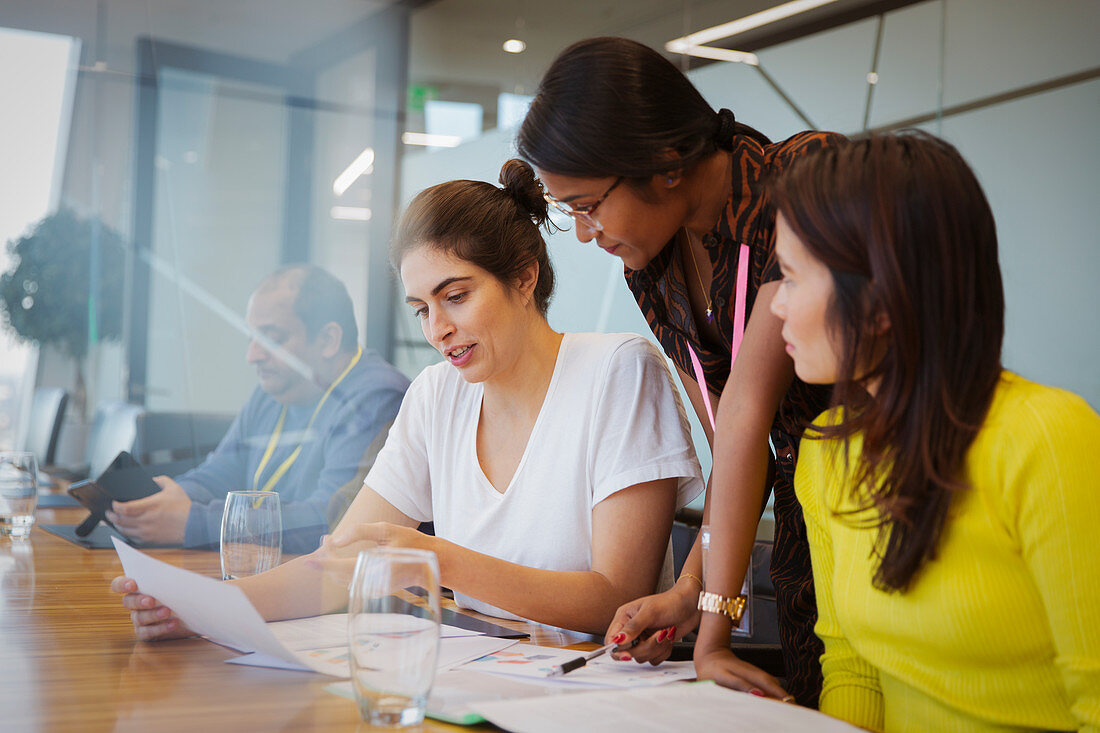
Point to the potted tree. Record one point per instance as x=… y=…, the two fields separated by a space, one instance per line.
x=47 y=297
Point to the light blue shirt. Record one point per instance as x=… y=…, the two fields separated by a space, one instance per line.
x=334 y=452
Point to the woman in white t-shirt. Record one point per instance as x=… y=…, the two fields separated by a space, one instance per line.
x=551 y=464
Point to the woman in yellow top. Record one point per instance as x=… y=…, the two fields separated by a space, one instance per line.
x=951 y=506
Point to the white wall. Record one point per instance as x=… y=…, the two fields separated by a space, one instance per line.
x=1037 y=158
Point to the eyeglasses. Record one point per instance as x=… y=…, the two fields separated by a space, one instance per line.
x=585 y=214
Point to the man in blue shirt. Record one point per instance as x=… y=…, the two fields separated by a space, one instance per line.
x=306 y=431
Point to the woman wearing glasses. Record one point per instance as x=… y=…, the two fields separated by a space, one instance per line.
x=550 y=463
x=649 y=171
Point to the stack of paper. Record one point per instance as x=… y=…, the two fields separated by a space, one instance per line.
x=700 y=706
x=456 y=693
x=222 y=613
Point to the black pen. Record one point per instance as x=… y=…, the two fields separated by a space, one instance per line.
x=572 y=664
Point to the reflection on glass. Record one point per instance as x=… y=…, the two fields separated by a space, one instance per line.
x=18 y=494
x=16 y=575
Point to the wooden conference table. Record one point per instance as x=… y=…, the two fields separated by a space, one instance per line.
x=69 y=659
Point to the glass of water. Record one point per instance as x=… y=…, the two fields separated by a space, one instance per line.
x=18 y=493
x=252 y=533
x=393 y=633
x=745 y=627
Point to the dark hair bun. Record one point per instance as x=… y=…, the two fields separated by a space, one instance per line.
x=519 y=182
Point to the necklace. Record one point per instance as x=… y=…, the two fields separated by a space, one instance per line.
x=699 y=277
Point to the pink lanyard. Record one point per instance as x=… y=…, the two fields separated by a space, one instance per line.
x=739 y=319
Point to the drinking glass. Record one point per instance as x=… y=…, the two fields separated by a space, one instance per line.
x=252 y=533
x=393 y=633
x=745 y=627
x=18 y=493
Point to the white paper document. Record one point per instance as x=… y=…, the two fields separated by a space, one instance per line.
x=455 y=693
x=453 y=651
x=219 y=611
x=222 y=613
x=699 y=707
x=331 y=630
x=536 y=662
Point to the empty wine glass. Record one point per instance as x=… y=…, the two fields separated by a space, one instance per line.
x=252 y=533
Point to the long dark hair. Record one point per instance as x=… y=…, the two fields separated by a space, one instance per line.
x=902 y=224
x=614 y=107
x=496 y=229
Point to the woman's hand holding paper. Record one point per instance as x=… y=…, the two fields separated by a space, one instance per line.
x=152 y=621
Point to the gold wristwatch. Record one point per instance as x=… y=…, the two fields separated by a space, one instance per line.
x=732 y=607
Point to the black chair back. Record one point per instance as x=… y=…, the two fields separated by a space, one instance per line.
x=172 y=443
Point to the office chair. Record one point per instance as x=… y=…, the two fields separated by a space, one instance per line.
x=172 y=443
x=762 y=647
x=114 y=429
x=47 y=412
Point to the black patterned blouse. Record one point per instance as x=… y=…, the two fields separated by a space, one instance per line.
x=662 y=294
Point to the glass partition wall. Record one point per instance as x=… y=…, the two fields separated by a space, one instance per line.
x=204 y=144
x=215 y=143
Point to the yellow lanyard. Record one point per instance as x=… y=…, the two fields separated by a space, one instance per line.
x=282 y=469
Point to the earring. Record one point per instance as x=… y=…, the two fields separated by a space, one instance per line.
x=671 y=180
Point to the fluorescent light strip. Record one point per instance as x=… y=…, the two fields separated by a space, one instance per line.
x=709 y=52
x=764 y=17
x=350 y=213
x=358 y=167
x=423 y=138
x=693 y=44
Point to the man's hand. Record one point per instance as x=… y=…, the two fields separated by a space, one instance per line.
x=160 y=518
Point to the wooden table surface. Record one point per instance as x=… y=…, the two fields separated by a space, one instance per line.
x=69 y=659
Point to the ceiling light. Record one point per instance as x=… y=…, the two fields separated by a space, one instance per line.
x=358 y=167
x=514 y=45
x=693 y=44
x=710 y=52
x=350 y=213
x=439 y=141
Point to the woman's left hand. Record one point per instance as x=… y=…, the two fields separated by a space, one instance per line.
x=339 y=551
x=723 y=666
x=351 y=540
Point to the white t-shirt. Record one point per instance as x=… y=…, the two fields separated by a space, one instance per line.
x=611 y=419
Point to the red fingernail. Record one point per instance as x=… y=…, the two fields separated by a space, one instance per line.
x=672 y=632
x=626 y=657
x=758 y=693
x=619 y=637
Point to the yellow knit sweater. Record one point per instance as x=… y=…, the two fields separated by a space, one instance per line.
x=1000 y=632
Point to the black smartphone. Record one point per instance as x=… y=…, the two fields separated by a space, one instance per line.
x=124 y=480
x=91 y=496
